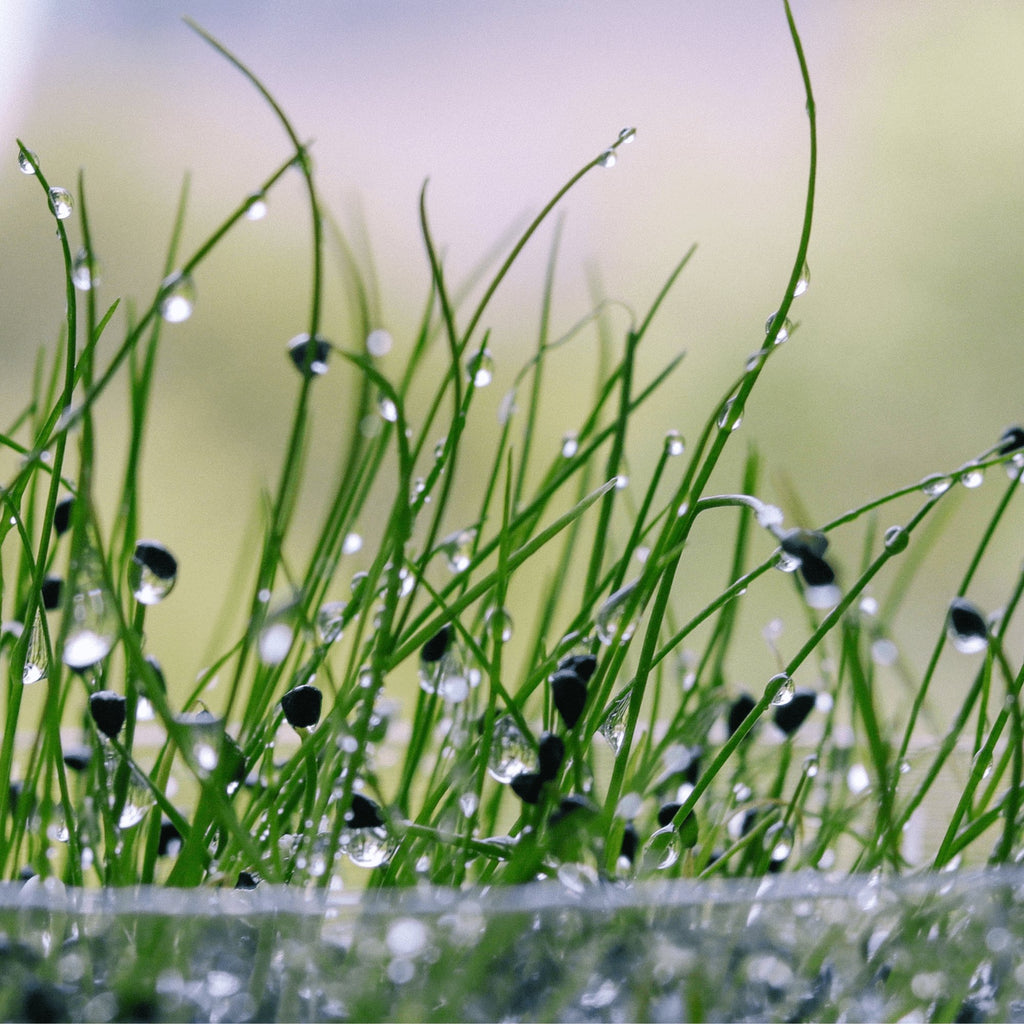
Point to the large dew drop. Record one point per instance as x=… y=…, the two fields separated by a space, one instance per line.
x=25 y=161
x=784 y=330
x=458 y=549
x=731 y=415
x=152 y=572
x=91 y=619
x=781 y=689
x=85 y=271
x=36 y=660
x=330 y=621
x=480 y=368
x=511 y=752
x=309 y=357
x=177 y=298
x=61 y=203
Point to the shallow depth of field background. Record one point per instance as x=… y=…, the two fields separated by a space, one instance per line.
x=907 y=360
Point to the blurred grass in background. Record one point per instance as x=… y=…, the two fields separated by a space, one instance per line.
x=907 y=363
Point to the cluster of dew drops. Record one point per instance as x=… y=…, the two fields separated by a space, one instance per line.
x=531 y=769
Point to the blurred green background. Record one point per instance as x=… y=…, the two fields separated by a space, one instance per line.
x=908 y=357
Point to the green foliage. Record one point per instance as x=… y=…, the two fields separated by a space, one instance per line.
x=614 y=743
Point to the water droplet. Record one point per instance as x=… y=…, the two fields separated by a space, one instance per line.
x=36 y=660
x=61 y=203
x=784 y=330
x=936 y=484
x=468 y=804
x=613 y=727
x=387 y=408
x=896 y=539
x=570 y=445
x=731 y=416
x=309 y=356
x=91 y=622
x=368 y=848
x=177 y=298
x=25 y=158
x=85 y=271
x=458 y=549
x=663 y=849
x=256 y=206
x=627 y=135
x=966 y=627
x=352 y=543
x=674 y=444
x=499 y=624
x=972 y=477
x=407 y=937
x=330 y=621
x=803 y=281
x=379 y=342
x=138 y=801
x=884 y=652
x=811 y=766
x=781 y=688
x=511 y=753
x=857 y=779
x=205 y=738
x=275 y=641
x=769 y=516
x=609 y=623
x=480 y=368
x=152 y=572
x=506 y=407
x=778 y=839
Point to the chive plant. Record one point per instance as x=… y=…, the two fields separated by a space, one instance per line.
x=608 y=740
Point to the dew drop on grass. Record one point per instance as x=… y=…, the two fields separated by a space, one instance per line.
x=256 y=206
x=36 y=660
x=663 y=849
x=25 y=158
x=458 y=549
x=674 y=444
x=499 y=624
x=275 y=641
x=205 y=737
x=330 y=621
x=896 y=540
x=803 y=282
x=613 y=726
x=781 y=688
x=608 y=623
x=309 y=356
x=570 y=445
x=85 y=271
x=966 y=627
x=731 y=416
x=387 y=408
x=379 y=342
x=61 y=203
x=352 y=543
x=480 y=368
x=973 y=477
x=627 y=135
x=468 y=804
x=152 y=572
x=91 y=619
x=784 y=330
x=935 y=485
x=511 y=752
x=177 y=298
x=607 y=158
x=857 y=779
x=139 y=800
